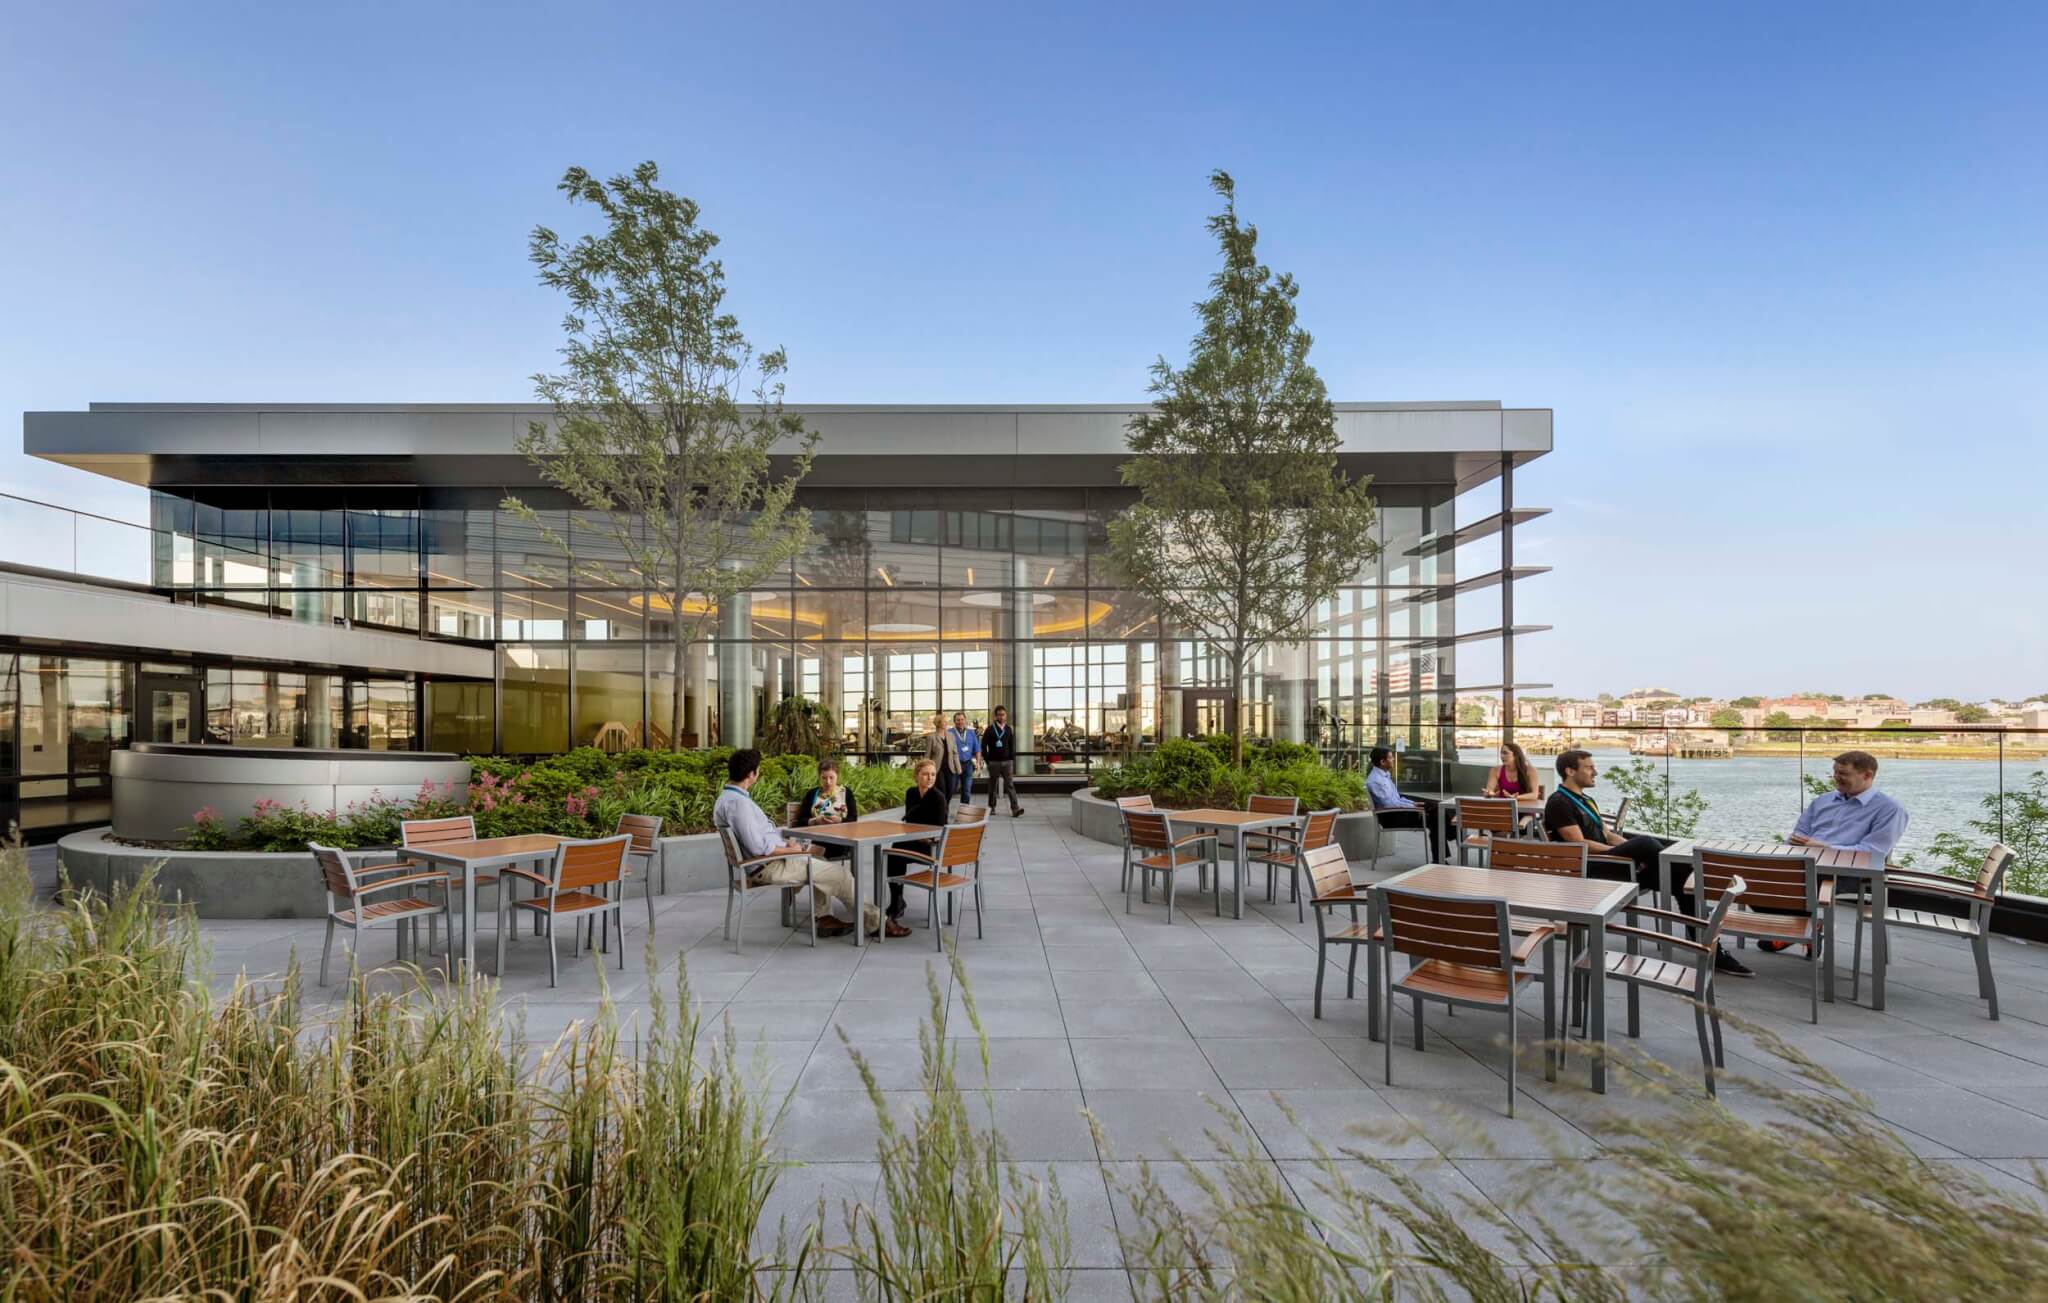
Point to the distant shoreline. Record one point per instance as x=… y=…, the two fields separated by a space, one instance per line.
x=1879 y=749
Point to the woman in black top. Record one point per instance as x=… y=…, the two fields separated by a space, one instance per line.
x=926 y=804
x=828 y=802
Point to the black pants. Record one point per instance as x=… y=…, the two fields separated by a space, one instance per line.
x=1643 y=850
x=1002 y=775
x=897 y=866
x=1421 y=817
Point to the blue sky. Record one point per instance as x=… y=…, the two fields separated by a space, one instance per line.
x=1779 y=270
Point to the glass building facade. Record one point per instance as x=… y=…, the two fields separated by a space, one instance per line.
x=905 y=604
x=957 y=561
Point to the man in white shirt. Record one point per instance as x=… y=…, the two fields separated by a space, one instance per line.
x=755 y=834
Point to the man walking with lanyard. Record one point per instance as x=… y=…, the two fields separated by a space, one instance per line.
x=966 y=747
x=1572 y=815
x=999 y=753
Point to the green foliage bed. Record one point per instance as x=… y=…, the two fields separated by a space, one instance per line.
x=1184 y=774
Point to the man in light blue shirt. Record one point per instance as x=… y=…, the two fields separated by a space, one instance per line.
x=1394 y=810
x=966 y=745
x=1853 y=817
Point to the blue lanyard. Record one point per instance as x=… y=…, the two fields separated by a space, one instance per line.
x=1599 y=824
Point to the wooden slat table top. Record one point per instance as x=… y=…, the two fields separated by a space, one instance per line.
x=1536 y=893
x=487 y=848
x=1226 y=818
x=863 y=830
x=1828 y=858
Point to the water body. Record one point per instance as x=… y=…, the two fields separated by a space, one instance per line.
x=1760 y=796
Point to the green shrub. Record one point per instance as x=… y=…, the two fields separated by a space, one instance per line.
x=1281 y=754
x=1185 y=773
x=1221 y=746
x=1319 y=788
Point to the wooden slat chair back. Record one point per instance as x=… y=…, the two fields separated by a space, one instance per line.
x=1469 y=954
x=1978 y=896
x=349 y=904
x=1260 y=803
x=1154 y=847
x=1284 y=848
x=971 y=814
x=435 y=832
x=645 y=832
x=1320 y=830
x=1615 y=820
x=1784 y=900
x=740 y=884
x=1331 y=888
x=577 y=886
x=1520 y=855
x=959 y=848
x=790 y=811
x=1329 y=873
x=1690 y=975
x=1482 y=817
x=1124 y=803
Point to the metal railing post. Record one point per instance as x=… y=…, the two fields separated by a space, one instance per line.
x=2001 y=785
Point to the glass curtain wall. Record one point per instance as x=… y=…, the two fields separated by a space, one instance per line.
x=905 y=604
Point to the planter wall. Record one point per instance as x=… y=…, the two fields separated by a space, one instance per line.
x=157 y=788
x=1098 y=820
x=285 y=884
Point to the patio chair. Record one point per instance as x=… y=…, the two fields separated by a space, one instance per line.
x=1330 y=887
x=1129 y=803
x=1784 y=901
x=1482 y=818
x=740 y=883
x=971 y=814
x=577 y=886
x=959 y=847
x=1692 y=980
x=1981 y=895
x=1615 y=820
x=1285 y=851
x=1156 y=849
x=434 y=832
x=348 y=904
x=1467 y=955
x=1258 y=842
x=644 y=854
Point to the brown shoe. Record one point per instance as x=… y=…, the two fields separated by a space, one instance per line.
x=891 y=928
x=833 y=927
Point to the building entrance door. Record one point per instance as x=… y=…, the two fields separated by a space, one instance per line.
x=172 y=707
x=1204 y=711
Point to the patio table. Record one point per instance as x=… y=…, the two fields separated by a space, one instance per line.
x=875 y=836
x=1829 y=860
x=467 y=859
x=1581 y=902
x=1239 y=824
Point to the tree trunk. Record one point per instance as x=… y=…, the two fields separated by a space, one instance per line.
x=1237 y=709
x=675 y=705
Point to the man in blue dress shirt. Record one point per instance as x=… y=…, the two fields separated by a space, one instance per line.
x=1394 y=810
x=966 y=746
x=1853 y=817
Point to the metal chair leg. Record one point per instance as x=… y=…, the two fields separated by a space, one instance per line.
x=554 y=964
x=1699 y=1018
x=1987 y=986
x=1856 y=953
x=326 y=949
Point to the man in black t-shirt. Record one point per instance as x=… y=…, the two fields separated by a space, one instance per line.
x=1572 y=815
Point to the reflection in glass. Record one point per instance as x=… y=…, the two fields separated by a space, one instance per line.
x=459 y=716
x=380 y=715
x=608 y=706
x=540 y=616
x=384 y=546
x=465 y=615
x=458 y=547
x=536 y=699
x=607 y=616
x=837 y=554
x=306 y=547
x=828 y=615
x=527 y=558
x=903 y=543
x=398 y=611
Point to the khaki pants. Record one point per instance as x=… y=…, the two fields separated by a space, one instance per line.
x=832 y=879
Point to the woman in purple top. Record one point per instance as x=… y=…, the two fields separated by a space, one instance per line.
x=1514 y=777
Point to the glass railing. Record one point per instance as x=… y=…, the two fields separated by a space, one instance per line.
x=76 y=542
x=1964 y=787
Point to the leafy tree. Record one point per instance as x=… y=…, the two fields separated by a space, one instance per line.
x=664 y=417
x=1941 y=703
x=1747 y=703
x=1970 y=714
x=1471 y=714
x=1652 y=805
x=1245 y=520
x=2025 y=814
x=1778 y=727
x=1727 y=717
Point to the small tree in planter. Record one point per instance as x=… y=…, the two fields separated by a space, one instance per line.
x=1245 y=518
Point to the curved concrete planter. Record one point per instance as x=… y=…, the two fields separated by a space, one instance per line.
x=158 y=788
x=284 y=884
x=1097 y=820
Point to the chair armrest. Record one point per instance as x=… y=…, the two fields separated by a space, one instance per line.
x=1192 y=838
x=439 y=879
x=1674 y=916
x=537 y=879
x=1657 y=938
x=1939 y=886
x=759 y=860
x=1352 y=899
x=898 y=852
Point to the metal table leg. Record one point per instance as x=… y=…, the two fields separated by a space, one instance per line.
x=1596 y=996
